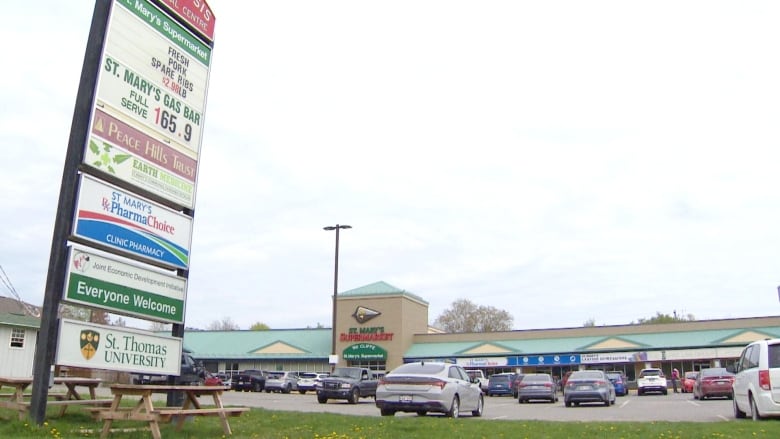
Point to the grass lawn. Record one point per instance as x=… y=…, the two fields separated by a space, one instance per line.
x=260 y=423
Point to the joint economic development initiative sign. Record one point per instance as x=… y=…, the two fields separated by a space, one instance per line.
x=109 y=284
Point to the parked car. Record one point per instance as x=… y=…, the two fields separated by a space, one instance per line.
x=756 y=388
x=515 y=383
x=500 y=384
x=688 y=379
x=537 y=386
x=479 y=375
x=309 y=380
x=350 y=383
x=651 y=380
x=713 y=382
x=620 y=382
x=282 y=382
x=564 y=379
x=424 y=387
x=249 y=379
x=191 y=373
x=589 y=386
x=212 y=380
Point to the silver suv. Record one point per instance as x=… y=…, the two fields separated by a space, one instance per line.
x=756 y=388
x=283 y=382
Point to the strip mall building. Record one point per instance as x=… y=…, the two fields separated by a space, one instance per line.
x=380 y=326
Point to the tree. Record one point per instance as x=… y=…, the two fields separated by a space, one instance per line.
x=591 y=322
x=660 y=318
x=226 y=324
x=259 y=326
x=466 y=316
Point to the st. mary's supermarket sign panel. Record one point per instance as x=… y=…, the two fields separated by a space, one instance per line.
x=131 y=224
x=110 y=284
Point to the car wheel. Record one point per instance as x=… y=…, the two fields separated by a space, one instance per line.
x=480 y=407
x=454 y=411
x=754 y=409
x=606 y=401
x=386 y=412
x=422 y=412
x=639 y=392
x=354 y=396
x=256 y=387
x=739 y=414
x=665 y=392
x=287 y=389
x=567 y=403
x=302 y=392
x=321 y=399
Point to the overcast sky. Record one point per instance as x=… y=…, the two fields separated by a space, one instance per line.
x=561 y=160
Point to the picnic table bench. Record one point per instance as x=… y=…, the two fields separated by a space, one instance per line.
x=144 y=410
x=18 y=400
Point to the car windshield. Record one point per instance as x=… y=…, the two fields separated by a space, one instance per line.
x=347 y=373
x=586 y=375
x=529 y=378
x=419 y=368
x=614 y=376
x=649 y=373
x=275 y=376
x=715 y=371
x=500 y=379
x=309 y=375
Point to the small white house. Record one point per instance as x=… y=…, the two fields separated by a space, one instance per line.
x=18 y=337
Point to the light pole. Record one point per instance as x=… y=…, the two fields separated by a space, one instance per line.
x=337 y=227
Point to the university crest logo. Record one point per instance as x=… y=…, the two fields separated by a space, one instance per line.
x=90 y=341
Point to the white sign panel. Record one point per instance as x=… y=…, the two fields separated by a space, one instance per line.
x=121 y=220
x=155 y=72
x=90 y=345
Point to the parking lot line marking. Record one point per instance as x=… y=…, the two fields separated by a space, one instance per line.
x=724 y=418
x=693 y=403
x=624 y=403
x=499 y=417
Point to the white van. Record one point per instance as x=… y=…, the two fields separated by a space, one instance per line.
x=756 y=388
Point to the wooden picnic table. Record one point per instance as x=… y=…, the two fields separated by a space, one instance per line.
x=16 y=400
x=145 y=411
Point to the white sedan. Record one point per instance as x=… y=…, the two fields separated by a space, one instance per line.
x=424 y=387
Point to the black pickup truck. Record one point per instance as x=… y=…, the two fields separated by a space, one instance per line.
x=350 y=383
x=249 y=379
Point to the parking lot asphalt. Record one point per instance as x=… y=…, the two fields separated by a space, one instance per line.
x=671 y=407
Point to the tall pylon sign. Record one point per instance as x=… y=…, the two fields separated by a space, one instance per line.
x=123 y=231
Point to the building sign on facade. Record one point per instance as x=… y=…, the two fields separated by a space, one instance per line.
x=375 y=333
x=544 y=360
x=107 y=283
x=364 y=352
x=482 y=362
x=90 y=345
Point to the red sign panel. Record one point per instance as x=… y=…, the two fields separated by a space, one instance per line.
x=195 y=12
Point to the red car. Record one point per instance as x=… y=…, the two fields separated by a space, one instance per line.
x=715 y=381
x=688 y=380
x=212 y=380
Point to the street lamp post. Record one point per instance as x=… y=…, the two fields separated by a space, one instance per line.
x=337 y=227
